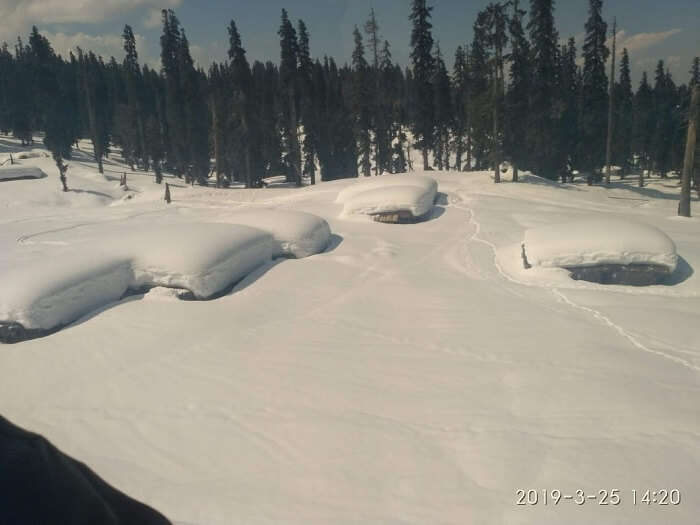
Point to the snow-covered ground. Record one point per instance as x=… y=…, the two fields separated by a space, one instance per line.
x=408 y=374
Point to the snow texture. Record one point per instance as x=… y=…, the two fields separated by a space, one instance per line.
x=14 y=171
x=596 y=241
x=296 y=234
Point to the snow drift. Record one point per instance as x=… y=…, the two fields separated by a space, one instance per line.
x=296 y=234
x=597 y=242
x=412 y=195
x=14 y=171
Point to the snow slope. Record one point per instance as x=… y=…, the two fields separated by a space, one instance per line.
x=405 y=375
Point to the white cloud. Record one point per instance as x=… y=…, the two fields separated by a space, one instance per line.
x=153 y=18
x=104 y=45
x=641 y=41
x=18 y=16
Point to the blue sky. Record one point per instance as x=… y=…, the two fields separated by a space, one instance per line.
x=652 y=29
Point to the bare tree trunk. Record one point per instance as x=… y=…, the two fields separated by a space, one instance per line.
x=515 y=172
x=426 y=165
x=689 y=159
x=611 y=98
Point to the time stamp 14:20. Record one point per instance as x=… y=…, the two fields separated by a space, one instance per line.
x=612 y=497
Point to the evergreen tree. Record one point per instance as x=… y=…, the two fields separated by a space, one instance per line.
x=594 y=90
x=289 y=97
x=664 y=116
x=569 y=117
x=497 y=40
x=361 y=97
x=518 y=93
x=541 y=139
x=644 y=124
x=624 y=115
x=243 y=137
x=423 y=69
x=135 y=136
x=94 y=93
x=481 y=95
x=443 y=112
x=460 y=103
x=307 y=95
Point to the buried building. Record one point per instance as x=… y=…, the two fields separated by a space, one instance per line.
x=606 y=251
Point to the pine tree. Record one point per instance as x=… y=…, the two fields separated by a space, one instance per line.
x=541 y=140
x=289 y=97
x=443 y=112
x=497 y=40
x=481 y=95
x=594 y=91
x=695 y=72
x=361 y=96
x=384 y=122
x=569 y=117
x=624 y=115
x=518 y=95
x=60 y=113
x=243 y=135
x=423 y=69
x=134 y=89
x=95 y=93
x=663 y=114
x=307 y=97
x=460 y=103
x=644 y=124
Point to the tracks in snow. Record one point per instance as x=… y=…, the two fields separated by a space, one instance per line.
x=562 y=298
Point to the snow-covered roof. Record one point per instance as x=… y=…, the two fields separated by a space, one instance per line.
x=15 y=171
x=599 y=241
x=389 y=193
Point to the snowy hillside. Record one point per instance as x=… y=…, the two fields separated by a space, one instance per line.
x=406 y=374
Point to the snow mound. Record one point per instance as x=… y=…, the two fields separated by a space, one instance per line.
x=202 y=258
x=428 y=184
x=55 y=292
x=14 y=171
x=597 y=242
x=394 y=198
x=296 y=234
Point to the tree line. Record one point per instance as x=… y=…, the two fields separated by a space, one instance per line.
x=513 y=94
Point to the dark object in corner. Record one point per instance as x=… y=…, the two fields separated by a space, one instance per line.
x=41 y=485
x=625 y=274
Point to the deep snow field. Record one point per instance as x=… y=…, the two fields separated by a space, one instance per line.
x=409 y=374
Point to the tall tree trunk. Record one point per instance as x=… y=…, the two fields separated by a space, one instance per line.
x=689 y=159
x=426 y=165
x=611 y=99
x=515 y=172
